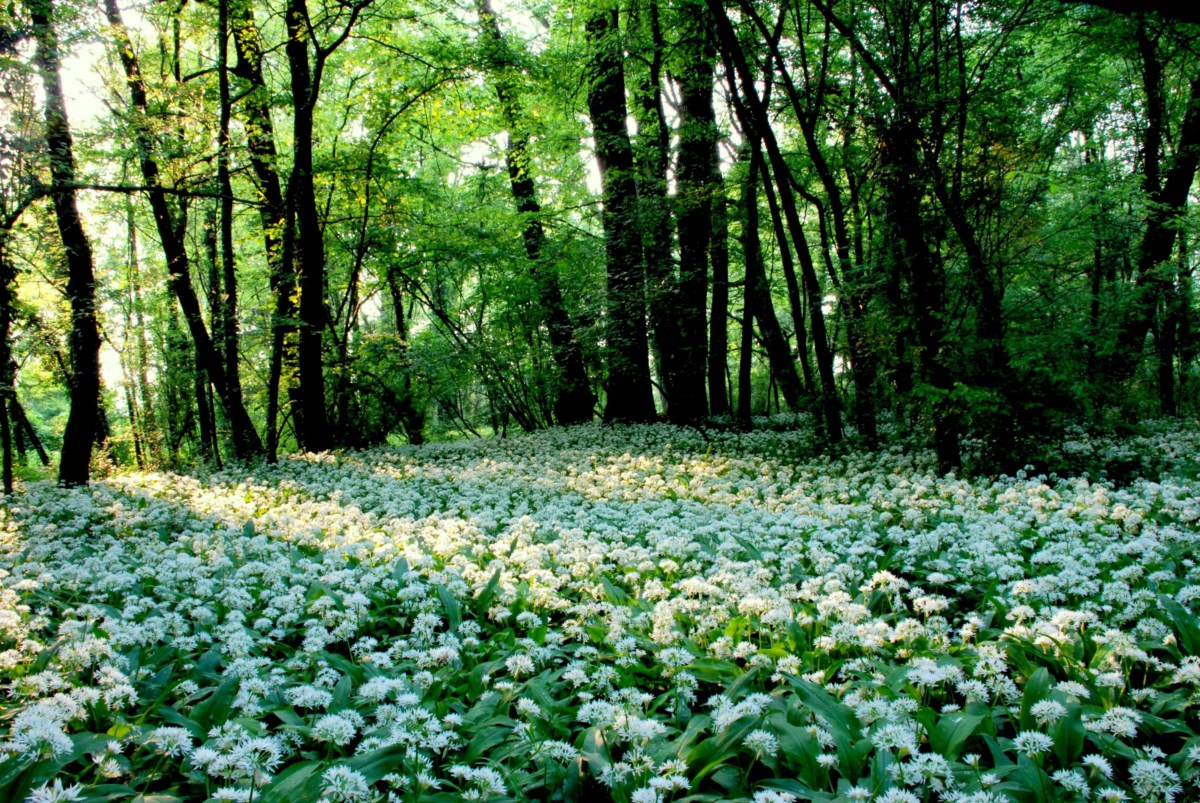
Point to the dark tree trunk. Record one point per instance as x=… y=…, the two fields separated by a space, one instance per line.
x=7 y=366
x=628 y=386
x=718 y=321
x=678 y=342
x=74 y=467
x=26 y=431
x=412 y=416
x=758 y=292
x=795 y=300
x=852 y=287
x=927 y=281
x=245 y=439
x=312 y=430
x=697 y=182
x=229 y=301
x=209 y=449
x=260 y=145
x=574 y=401
x=830 y=408
x=1167 y=195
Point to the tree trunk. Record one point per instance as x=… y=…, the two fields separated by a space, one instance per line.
x=74 y=465
x=718 y=319
x=228 y=298
x=412 y=417
x=260 y=146
x=758 y=293
x=7 y=366
x=245 y=439
x=313 y=430
x=1167 y=196
x=927 y=281
x=628 y=386
x=24 y=426
x=830 y=408
x=574 y=401
x=697 y=177
x=852 y=287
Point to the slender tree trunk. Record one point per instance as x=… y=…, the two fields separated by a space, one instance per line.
x=7 y=366
x=1188 y=343
x=151 y=434
x=6 y=442
x=74 y=466
x=851 y=289
x=412 y=416
x=697 y=179
x=135 y=419
x=313 y=430
x=574 y=401
x=1167 y=196
x=260 y=145
x=209 y=449
x=731 y=52
x=23 y=425
x=245 y=439
x=795 y=299
x=718 y=320
x=628 y=386
x=229 y=300
x=745 y=410
x=758 y=291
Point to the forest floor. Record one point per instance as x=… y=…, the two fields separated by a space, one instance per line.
x=642 y=614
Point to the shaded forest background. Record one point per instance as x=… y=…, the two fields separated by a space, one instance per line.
x=233 y=230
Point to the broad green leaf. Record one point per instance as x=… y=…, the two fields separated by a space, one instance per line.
x=1069 y=736
x=1037 y=688
x=293 y=784
x=451 y=606
x=952 y=732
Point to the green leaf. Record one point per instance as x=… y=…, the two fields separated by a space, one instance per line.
x=1037 y=688
x=1034 y=780
x=484 y=600
x=952 y=732
x=378 y=763
x=750 y=548
x=1069 y=736
x=1187 y=628
x=594 y=750
x=293 y=784
x=613 y=593
x=841 y=719
x=450 y=604
x=713 y=752
x=215 y=710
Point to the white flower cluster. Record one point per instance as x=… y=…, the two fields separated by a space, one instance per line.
x=623 y=602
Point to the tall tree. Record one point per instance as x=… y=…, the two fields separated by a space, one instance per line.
x=574 y=400
x=1166 y=193
x=263 y=156
x=228 y=299
x=245 y=439
x=628 y=386
x=307 y=233
x=697 y=180
x=74 y=467
x=758 y=121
